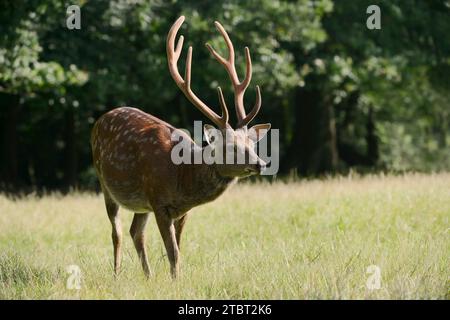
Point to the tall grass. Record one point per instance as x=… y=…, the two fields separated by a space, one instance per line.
x=295 y=240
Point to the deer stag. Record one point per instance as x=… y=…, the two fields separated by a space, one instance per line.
x=132 y=157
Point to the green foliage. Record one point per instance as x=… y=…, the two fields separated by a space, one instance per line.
x=21 y=69
x=64 y=79
x=399 y=72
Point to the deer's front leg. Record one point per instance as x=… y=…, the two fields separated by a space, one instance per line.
x=179 y=225
x=167 y=230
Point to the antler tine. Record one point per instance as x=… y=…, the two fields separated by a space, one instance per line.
x=173 y=54
x=254 y=111
x=223 y=105
x=239 y=87
x=227 y=63
x=179 y=48
x=218 y=57
x=248 y=70
x=187 y=70
x=227 y=39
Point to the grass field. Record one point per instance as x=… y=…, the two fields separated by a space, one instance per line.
x=297 y=240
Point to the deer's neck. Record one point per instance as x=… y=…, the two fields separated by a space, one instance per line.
x=201 y=183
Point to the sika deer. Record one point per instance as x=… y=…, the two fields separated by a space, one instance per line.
x=132 y=157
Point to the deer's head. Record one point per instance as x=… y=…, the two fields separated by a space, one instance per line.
x=240 y=140
x=237 y=149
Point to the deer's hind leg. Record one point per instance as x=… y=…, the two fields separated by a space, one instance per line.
x=112 y=209
x=137 y=232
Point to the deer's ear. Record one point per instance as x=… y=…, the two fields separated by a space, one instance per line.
x=257 y=132
x=210 y=133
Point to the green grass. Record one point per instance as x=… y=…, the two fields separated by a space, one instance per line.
x=297 y=240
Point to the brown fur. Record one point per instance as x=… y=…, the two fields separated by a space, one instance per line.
x=131 y=153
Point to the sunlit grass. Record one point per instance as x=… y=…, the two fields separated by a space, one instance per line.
x=300 y=240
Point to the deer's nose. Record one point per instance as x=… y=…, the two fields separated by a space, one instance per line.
x=261 y=165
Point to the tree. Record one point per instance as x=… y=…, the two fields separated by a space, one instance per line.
x=23 y=75
x=343 y=96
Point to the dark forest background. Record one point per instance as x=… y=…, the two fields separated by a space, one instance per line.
x=343 y=96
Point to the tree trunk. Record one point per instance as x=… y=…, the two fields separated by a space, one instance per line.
x=372 y=140
x=71 y=150
x=10 y=166
x=313 y=147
